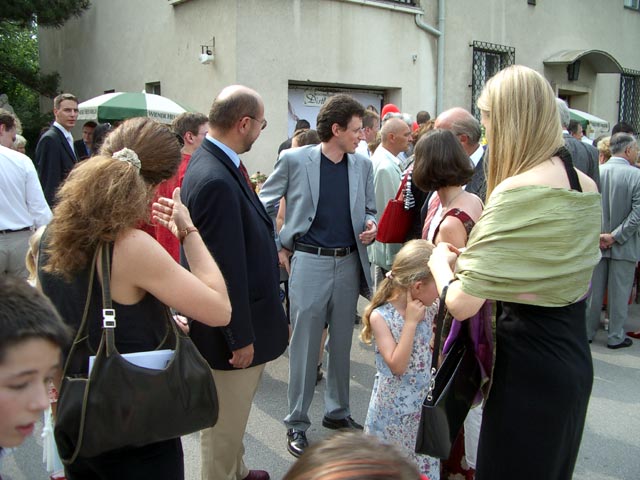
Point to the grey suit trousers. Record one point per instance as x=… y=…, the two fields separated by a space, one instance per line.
x=616 y=278
x=321 y=290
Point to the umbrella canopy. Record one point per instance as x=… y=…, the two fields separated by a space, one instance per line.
x=598 y=124
x=112 y=107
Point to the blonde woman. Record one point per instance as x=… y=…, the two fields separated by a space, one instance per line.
x=533 y=249
x=101 y=202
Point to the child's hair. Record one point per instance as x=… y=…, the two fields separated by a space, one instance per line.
x=352 y=456
x=409 y=266
x=26 y=313
x=31 y=260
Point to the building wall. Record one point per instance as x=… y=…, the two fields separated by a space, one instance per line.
x=121 y=45
x=538 y=32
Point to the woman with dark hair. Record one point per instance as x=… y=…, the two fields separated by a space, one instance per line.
x=99 y=135
x=100 y=204
x=533 y=249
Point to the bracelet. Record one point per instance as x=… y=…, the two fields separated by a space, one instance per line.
x=184 y=233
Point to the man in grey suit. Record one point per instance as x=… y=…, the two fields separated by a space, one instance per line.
x=619 y=240
x=330 y=219
x=584 y=156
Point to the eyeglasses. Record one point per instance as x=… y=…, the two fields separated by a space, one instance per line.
x=262 y=122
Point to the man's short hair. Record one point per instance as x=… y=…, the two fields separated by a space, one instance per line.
x=226 y=112
x=369 y=118
x=422 y=117
x=619 y=142
x=188 y=122
x=25 y=313
x=302 y=124
x=563 y=111
x=7 y=119
x=573 y=126
x=469 y=126
x=340 y=109
x=61 y=98
x=90 y=124
x=622 y=127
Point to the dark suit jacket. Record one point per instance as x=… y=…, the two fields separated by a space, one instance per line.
x=80 y=149
x=478 y=183
x=584 y=157
x=239 y=234
x=54 y=160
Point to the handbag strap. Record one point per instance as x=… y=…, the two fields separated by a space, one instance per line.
x=400 y=192
x=438 y=334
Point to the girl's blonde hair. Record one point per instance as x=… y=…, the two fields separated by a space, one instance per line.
x=523 y=122
x=409 y=266
x=31 y=259
x=103 y=196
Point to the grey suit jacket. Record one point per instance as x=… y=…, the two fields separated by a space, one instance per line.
x=620 y=190
x=296 y=177
x=584 y=157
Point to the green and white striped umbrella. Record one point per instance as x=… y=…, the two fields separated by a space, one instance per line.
x=112 y=107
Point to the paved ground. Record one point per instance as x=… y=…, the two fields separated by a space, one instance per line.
x=610 y=447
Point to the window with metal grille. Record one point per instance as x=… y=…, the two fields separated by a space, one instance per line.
x=488 y=59
x=634 y=4
x=629 y=103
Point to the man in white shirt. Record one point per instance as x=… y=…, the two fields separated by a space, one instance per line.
x=24 y=206
x=54 y=153
x=387 y=175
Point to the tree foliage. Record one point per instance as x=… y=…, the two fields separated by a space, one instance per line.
x=47 y=13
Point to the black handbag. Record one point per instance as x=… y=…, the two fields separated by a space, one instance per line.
x=120 y=404
x=452 y=389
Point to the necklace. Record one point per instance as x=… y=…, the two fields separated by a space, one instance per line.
x=446 y=207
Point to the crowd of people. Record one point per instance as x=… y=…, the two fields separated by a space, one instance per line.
x=505 y=235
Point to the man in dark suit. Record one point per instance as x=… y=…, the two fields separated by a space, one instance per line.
x=82 y=147
x=584 y=156
x=467 y=128
x=54 y=153
x=240 y=236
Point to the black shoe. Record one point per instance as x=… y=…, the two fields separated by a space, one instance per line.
x=319 y=374
x=296 y=442
x=627 y=342
x=347 y=422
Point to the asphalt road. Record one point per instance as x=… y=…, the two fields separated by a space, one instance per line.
x=610 y=446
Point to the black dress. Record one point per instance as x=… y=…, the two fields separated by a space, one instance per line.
x=536 y=409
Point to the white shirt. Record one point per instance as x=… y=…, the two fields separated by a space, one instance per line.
x=235 y=158
x=67 y=135
x=21 y=197
x=476 y=156
x=363 y=149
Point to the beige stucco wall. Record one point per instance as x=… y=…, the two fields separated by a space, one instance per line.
x=538 y=32
x=121 y=45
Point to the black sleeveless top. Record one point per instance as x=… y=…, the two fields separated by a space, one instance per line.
x=140 y=327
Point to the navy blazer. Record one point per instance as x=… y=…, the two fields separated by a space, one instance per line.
x=80 y=148
x=54 y=160
x=239 y=234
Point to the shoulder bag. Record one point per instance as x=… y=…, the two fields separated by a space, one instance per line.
x=120 y=404
x=395 y=222
x=452 y=389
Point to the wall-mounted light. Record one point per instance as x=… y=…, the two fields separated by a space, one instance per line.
x=207 y=52
x=573 y=71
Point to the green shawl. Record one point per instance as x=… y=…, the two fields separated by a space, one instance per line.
x=534 y=245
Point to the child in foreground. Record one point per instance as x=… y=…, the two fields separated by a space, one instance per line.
x=31 y=338
x=400 y=318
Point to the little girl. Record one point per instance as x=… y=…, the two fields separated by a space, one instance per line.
x=400 y=318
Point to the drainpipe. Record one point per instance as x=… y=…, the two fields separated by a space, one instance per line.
x=439 y=34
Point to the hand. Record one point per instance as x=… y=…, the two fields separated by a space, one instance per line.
x=444 y=251
x=606 y=240
x=415 y=311
x=369 y=234
x=171 y=213
x=283 y=259
x=243 y=357
x=182 y=323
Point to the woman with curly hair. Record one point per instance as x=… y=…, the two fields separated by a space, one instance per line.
x=100 y=204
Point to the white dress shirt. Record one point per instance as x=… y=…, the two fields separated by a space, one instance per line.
x=21 y=197
x=67 y=135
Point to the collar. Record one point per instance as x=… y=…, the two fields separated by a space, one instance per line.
x=395 y=159
x=235 y=158
x=619 y=159
x=565 y=131
x=64 y=131
x=477 y=155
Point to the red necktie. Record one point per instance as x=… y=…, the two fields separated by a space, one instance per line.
x=245 y=174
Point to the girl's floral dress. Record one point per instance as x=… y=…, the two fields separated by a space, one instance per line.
x=396 y=401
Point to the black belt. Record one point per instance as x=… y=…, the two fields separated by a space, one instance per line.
x=325 y=252
x=15 y=231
